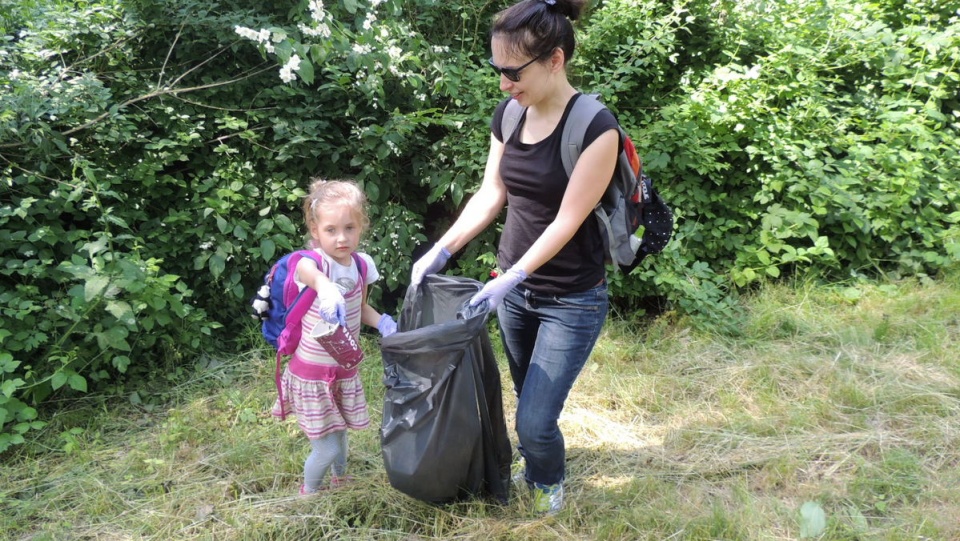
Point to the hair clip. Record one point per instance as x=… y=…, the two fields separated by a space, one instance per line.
x=549 y=2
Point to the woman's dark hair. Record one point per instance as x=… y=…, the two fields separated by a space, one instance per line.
x=534 y=28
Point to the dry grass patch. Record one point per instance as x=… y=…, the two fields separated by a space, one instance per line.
x=847 y=399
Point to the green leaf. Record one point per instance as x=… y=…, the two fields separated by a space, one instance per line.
x=306 y=71
x=121 y=362
x=267 y=249
x=264 y=226
x=7 y=363
x=122 y=311
x=97 y=246
x=217 y=263
x=10 y=385
x=113 y=338
x=94 y=287
x=58 y=379
x=77 y=382
x=813 y=520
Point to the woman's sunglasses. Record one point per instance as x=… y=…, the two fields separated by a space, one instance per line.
x=511 y=73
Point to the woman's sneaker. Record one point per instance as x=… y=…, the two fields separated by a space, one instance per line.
x=547 y=499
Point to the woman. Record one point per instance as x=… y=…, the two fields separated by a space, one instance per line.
x=552 y=300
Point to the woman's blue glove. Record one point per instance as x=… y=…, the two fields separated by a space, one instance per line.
x=333 y=308
x=495 y=290
x=430 y=263
x=386 y=326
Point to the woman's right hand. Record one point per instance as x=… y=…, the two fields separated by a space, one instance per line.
x=430 y=263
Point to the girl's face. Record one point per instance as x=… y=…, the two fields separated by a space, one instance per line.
x=337 y=230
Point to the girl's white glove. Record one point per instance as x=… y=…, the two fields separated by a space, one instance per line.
x=333 y=307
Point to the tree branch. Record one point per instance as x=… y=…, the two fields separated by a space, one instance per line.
x=166 y=91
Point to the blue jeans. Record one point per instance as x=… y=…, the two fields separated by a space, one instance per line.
x=547 y=339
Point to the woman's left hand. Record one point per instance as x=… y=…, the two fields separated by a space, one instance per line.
x=387 y=325
x=495 y=290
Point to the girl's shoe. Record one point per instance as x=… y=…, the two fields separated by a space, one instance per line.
x=339 y=481
x=335 y=482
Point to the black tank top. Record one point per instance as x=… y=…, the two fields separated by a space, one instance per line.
x=536 y=182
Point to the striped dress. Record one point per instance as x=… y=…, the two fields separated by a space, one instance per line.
x=325 y=397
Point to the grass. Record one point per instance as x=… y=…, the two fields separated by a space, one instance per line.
x=847 y=397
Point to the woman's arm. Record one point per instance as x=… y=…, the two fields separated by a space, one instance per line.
x=483 y=207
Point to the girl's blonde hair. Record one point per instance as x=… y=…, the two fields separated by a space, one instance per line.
x=325 y=194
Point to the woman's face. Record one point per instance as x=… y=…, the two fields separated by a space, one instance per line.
x=530 y=72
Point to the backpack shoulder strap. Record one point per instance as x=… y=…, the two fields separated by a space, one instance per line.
x=324 y=266
x=301 y=303
x=511 y=118
x=575 y=129
x=361 y=267
x=320 y=261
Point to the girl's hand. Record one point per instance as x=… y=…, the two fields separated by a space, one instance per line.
x=333 y=307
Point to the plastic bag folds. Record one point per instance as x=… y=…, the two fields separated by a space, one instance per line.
x=443 y=435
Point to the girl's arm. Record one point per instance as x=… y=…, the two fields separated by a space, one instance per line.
x=368 y=314
x=580 y=198
x=483 y=207
x=309 y=273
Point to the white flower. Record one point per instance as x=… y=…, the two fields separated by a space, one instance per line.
x=316 y=10
x=292 y=65
x=262 y=37
x=321 y=30
x=245 y=32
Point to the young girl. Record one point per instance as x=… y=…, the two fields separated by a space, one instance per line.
x=327 y=398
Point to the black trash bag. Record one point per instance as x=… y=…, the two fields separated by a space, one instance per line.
x=443 y=434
